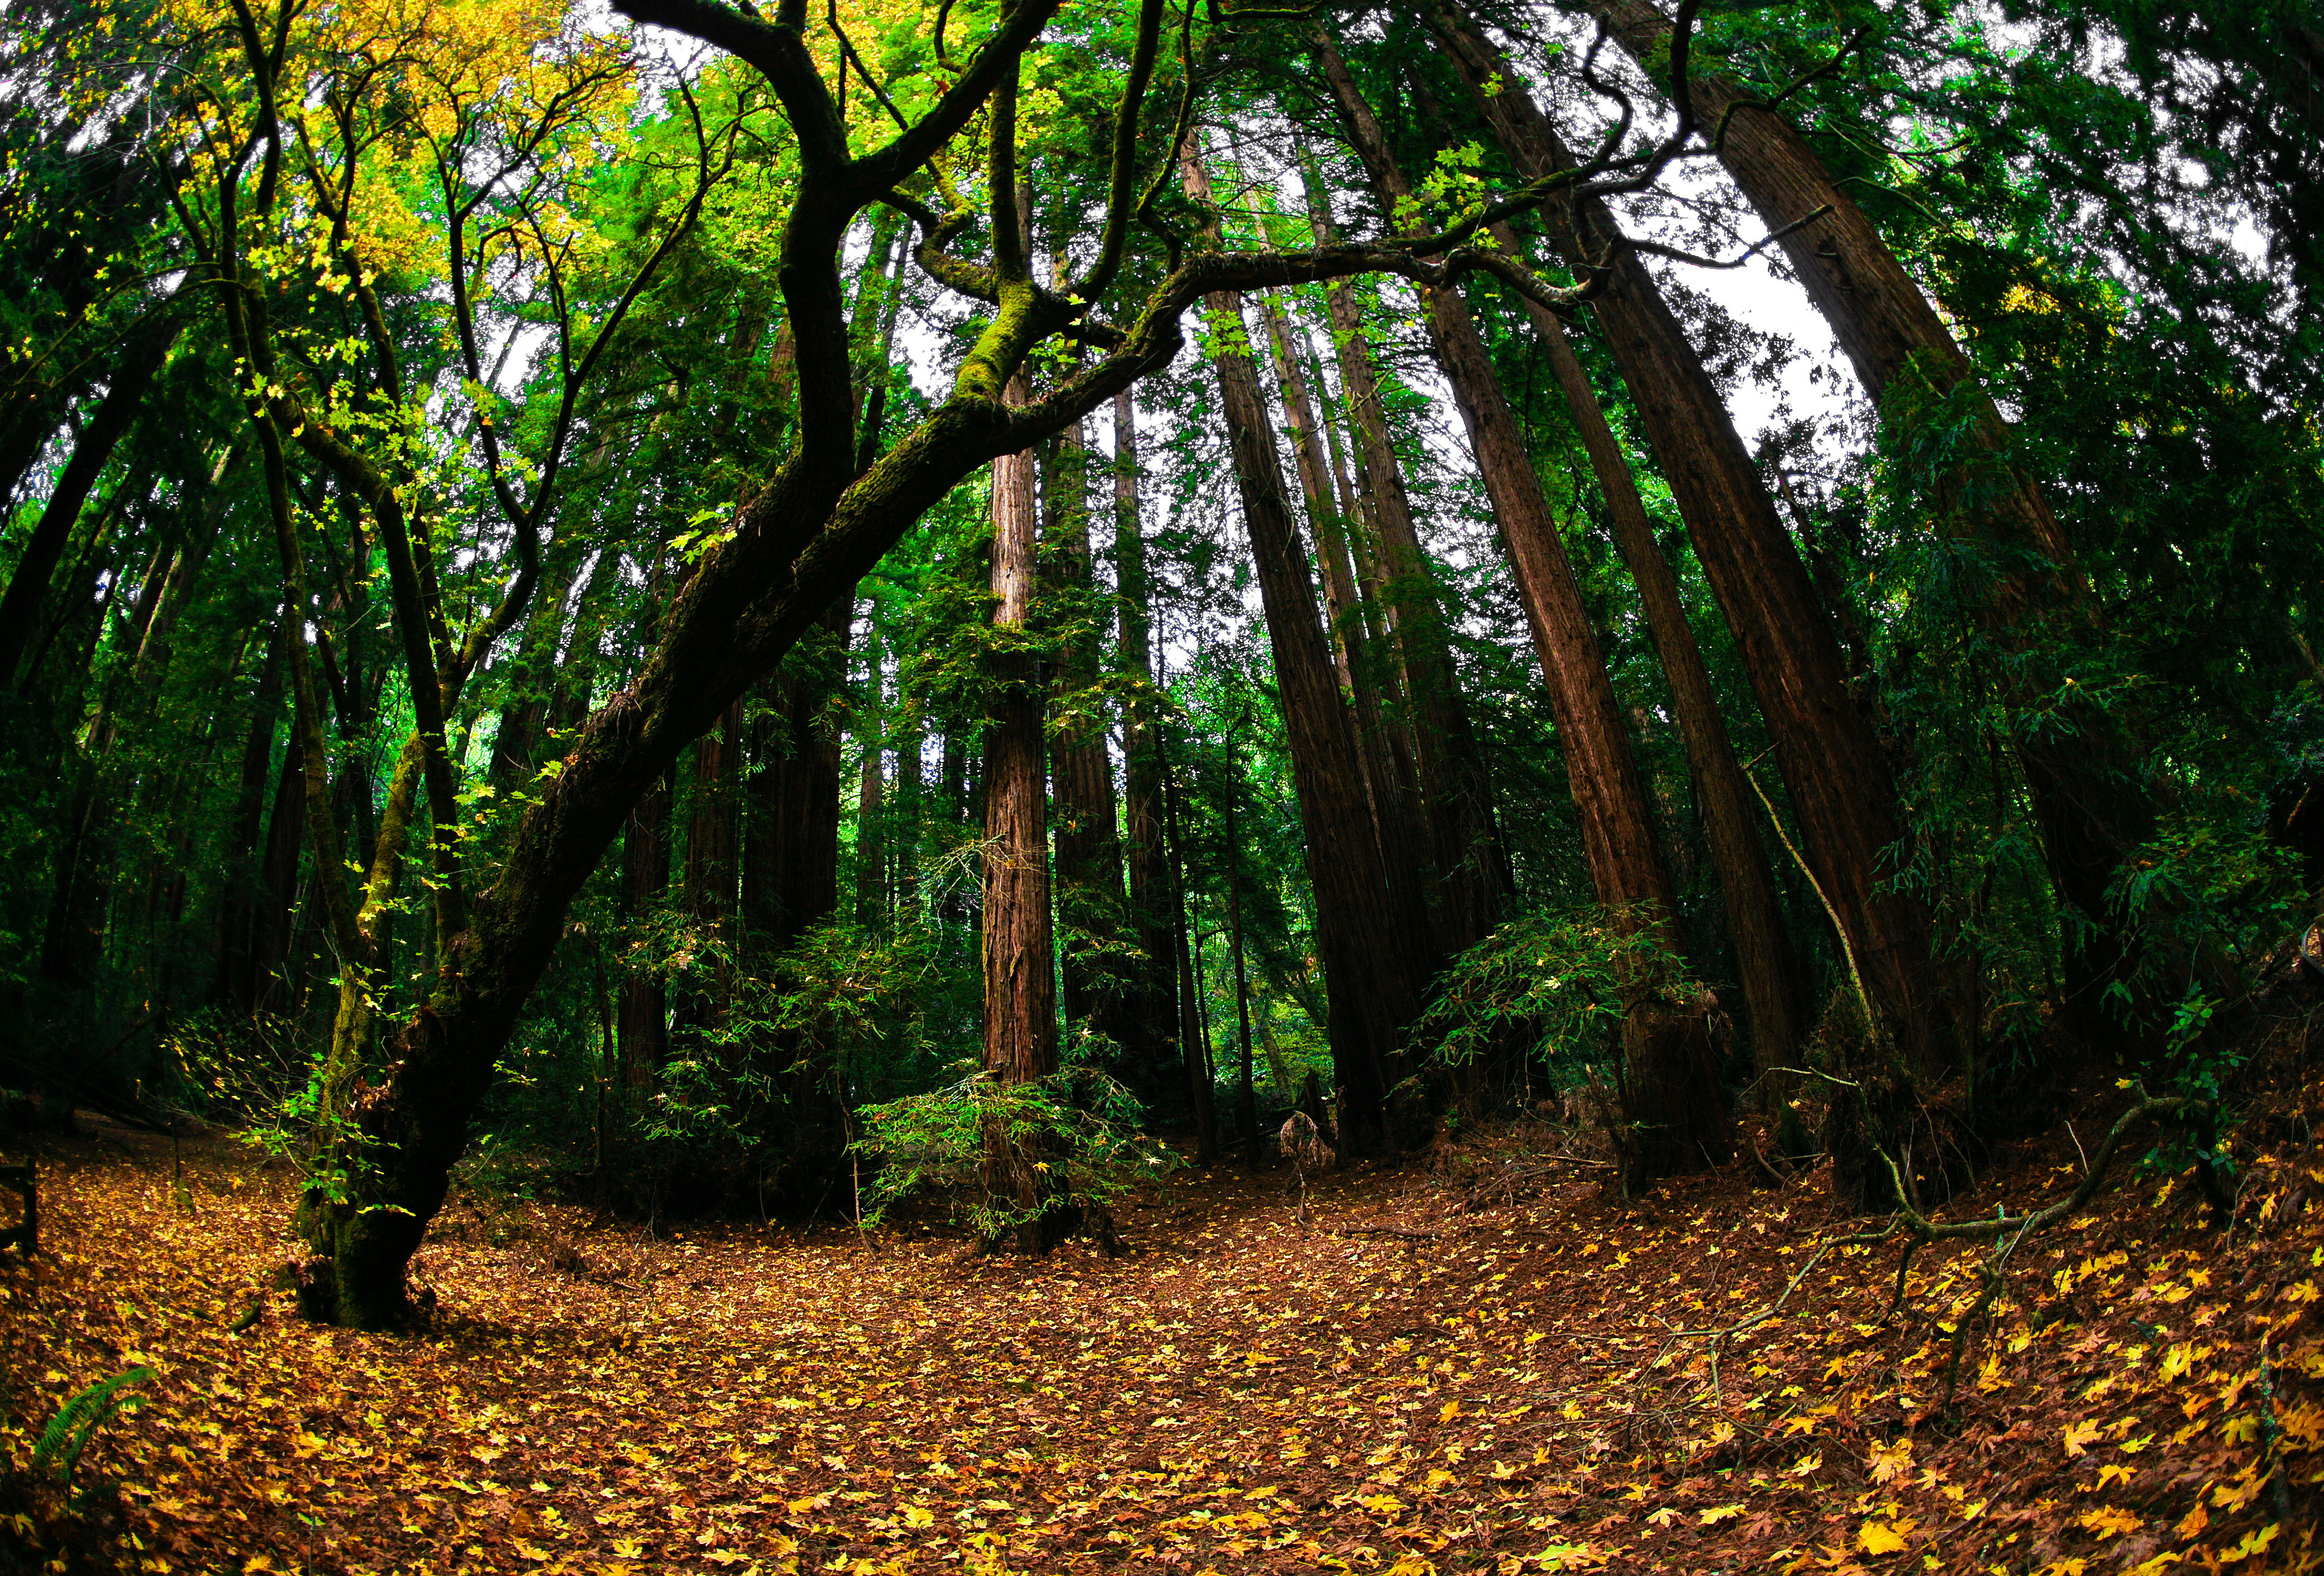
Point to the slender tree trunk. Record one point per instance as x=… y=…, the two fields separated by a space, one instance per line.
x=790 y=882
x=1194 y=1036
x=576 y=675
x=1472 y=871
x=713 y=849
x=1020 y=1020
x=1367 y=972
x=1678 y=1114
x=1354 y=575
x=871 y=801
x=909 y=797
x=791 y=867
x=28 y=585
x=529 y=698
x=1088 y=833
x=268 y=990
x=1839 y=779
x=1398 y=832
x=1730 y=820
x=1150 y=1022
x=238 y=907
x=2088 y=795
x=1250 y=1112
x=644 y=1017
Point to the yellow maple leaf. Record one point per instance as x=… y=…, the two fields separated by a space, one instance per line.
x=2254 y=1542
x=629 y=1548
x=919 y=1515
x=2079 y=1435
x=1719 y=1513
x=1878 y=1537
x=2110 y=1522
x=1892 y=1462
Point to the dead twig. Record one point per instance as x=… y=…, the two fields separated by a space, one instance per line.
x=1410 y=1235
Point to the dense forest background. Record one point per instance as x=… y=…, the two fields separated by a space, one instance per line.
x=751 y=612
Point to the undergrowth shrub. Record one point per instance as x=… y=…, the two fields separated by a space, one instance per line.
x=1080 y=1121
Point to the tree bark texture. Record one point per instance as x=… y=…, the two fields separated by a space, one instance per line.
x=2089 y=796
x=870 y=800
x=1838 y=781
x=1150 y=1022
x=1398 y=832
x=1021 y=1020
x=1471 y=870
x=1677 y=1113
x=643 y=1023
x=1730 y=819
x=1088 y=830
x=1368 y=970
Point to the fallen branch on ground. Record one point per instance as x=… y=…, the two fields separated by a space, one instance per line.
x=2183 y=1109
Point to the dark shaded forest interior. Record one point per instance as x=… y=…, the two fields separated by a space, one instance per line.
x=1506 y=785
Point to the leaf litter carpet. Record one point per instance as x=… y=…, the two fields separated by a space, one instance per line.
x=1500 y=1389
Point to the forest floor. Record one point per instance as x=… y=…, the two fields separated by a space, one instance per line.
x=1500 y=1389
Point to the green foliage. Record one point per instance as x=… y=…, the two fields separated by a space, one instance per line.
x=79 y=1419
x=1557 y=984
x=1082 y=1123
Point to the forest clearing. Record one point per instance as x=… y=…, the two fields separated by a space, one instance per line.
x=1224 y=784
x=1498 y=1386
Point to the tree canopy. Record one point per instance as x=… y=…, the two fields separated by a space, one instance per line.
x=693 y=598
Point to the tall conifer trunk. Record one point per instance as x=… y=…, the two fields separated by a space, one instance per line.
x=1150 y=1024
x=1020 y=1020
x=1679 y=1116
x=713 y=847
x=1368 y=973
x=790 y=881
x=1730 y=820
x=642 y=1022
x=2084 y=777
x=1472 y=871
x=1088 y=828
x=1400 y=833
x=1839 y=783
x=870 y=800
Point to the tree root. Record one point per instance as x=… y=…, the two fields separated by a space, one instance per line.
x=2007 y=1231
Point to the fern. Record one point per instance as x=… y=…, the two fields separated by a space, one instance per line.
x=77 y=1421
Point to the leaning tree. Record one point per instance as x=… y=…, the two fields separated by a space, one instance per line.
x=911 y=116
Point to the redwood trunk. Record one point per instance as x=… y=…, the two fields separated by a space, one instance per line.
x=1021 y=1023
x=1472 y=871
x=871 y=802
x=1150 y=1021
x=1731 y=820
x=1839 y=783
x=2084 y=780
x=1678 y=1114
x=1368 y=979
x=643 y=1023
x=1398 y=832
x=1088 y=831
x=712 y=845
